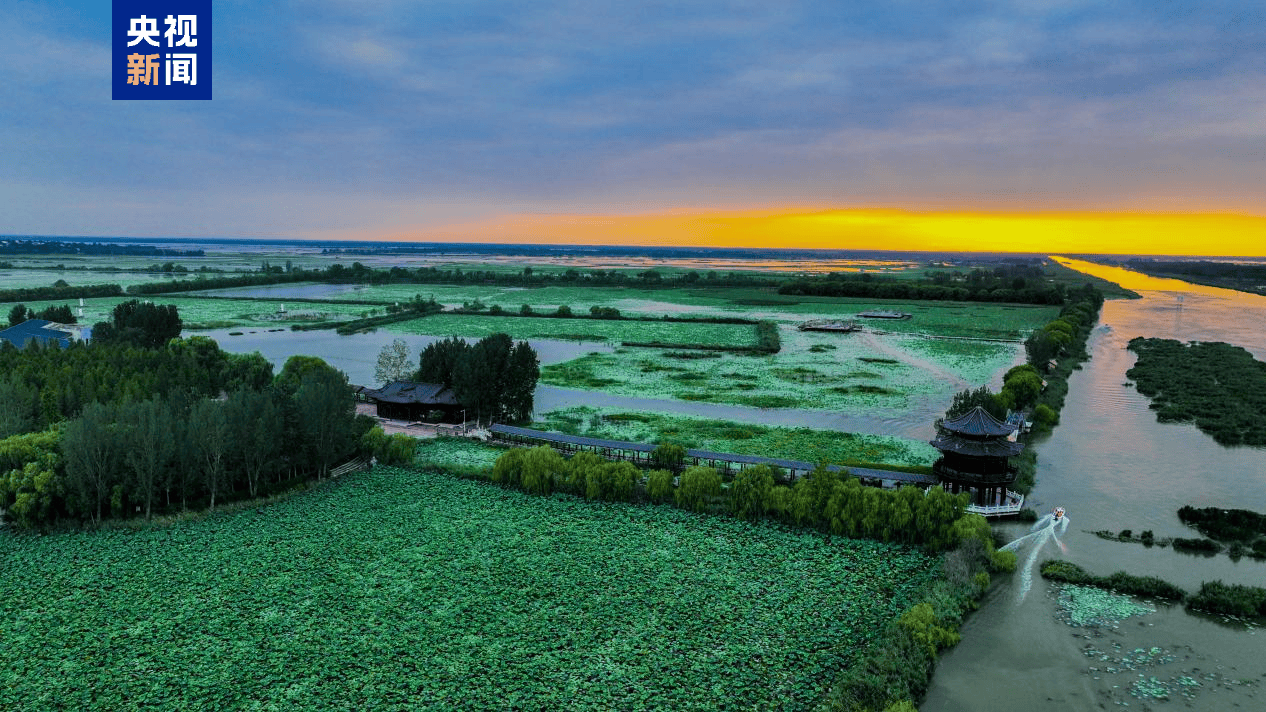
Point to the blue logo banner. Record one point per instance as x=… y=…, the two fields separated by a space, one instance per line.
x=161 y=49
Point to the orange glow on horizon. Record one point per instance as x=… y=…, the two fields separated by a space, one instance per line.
x=1211 y=234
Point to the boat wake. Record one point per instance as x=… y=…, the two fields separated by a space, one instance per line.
x=1046 y=529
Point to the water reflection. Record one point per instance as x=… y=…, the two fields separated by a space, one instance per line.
x=1114 y=467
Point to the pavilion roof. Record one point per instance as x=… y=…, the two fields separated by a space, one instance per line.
x=978 y=423
x=949 y=442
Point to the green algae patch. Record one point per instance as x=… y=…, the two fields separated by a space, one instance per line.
x=1083 y=606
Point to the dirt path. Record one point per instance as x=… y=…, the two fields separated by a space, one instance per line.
x=887 y=348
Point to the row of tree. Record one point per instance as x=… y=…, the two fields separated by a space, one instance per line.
x=165 y=452
x=827 y=500
x=979 y=290
x=60 y=314
x=144 y=422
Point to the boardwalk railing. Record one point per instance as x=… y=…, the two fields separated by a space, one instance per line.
x=1013 y=505
x=357 y=465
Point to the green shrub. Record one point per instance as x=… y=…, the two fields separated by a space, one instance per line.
x=779 y=502
x=749 y=492
x=611 y=481
x=698 y=486
x=1003 y=561
x=659 y=485
x=1230 y=599
x=1044 y=416
x=540 y=467
x=576 y=477
x=1121 y=582
x=508 y=469
x=1196 y=546
x=921 y=623
x=668 y=456
x=981 y=579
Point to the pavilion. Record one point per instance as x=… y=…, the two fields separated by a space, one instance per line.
x=975 y=450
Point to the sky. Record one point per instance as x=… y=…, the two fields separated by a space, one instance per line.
x=1032 y=125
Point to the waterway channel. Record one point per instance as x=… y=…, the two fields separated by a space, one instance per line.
x=1113 y=467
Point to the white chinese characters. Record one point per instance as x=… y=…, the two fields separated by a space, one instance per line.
x=143 y=28
x=180 y=68
x=184 y=27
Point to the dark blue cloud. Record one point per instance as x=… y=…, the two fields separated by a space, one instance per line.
x=593 y=103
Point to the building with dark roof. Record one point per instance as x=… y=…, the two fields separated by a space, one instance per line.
x=406 y=400
x=975 y=457
x=41 y=331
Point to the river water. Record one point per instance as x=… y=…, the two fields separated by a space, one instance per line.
x=1113 y=467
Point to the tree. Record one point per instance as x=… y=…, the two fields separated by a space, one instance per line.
x=296 y=368
x=523 y=372
x=439 y=360
x=964 y=401
x=540 y=465
x=698 y=486
x=140 y=324
x=1024 y=386
x=659 y=485
x=151 y=447
x=60 y=314
x=1040 y=348
x=256 y=425
x=393 y=362
x=750 y=491
x=29 y=481
x=18 y=314
x=668 y=456
x=19 y=407
x=91 y=450
x=326 y=408
x=210 y=440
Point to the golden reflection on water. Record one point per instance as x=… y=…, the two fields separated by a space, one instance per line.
x=1137 y=281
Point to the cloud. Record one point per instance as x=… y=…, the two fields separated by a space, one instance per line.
x=577 y=105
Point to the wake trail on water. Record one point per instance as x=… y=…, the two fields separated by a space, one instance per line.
x=1048 y=528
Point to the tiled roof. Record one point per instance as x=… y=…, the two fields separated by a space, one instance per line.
x=977 y=422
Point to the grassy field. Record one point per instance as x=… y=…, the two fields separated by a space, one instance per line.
x=742 y=438
x=394 y=589
x=25 y=278
x=973 y=319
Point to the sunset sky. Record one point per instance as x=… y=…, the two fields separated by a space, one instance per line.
x=1030 y=125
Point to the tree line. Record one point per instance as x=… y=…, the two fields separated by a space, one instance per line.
x=1011 y=283
x=60 y=314
x=119 y=428
x=57 y=247
x=827 y=500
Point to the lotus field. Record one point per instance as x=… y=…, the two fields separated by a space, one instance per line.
x=394 y=589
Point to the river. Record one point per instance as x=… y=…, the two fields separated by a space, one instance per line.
x=1113 y=467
